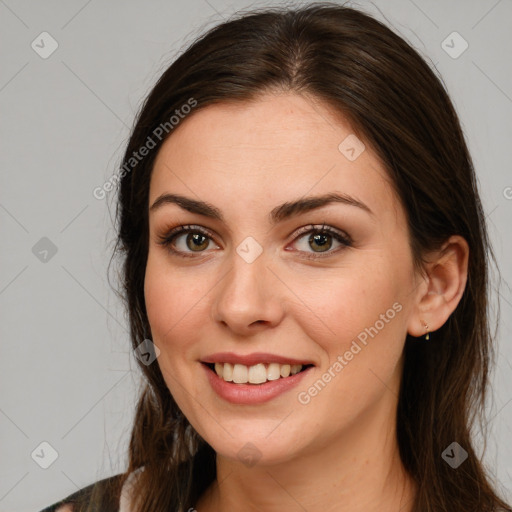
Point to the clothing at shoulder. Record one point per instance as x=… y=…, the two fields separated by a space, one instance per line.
x=109 y=501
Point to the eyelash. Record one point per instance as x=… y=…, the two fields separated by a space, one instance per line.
x=167 y=239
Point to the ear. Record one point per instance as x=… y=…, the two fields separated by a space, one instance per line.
x=441 y=288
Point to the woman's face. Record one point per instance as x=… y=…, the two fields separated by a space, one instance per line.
x=260 y=281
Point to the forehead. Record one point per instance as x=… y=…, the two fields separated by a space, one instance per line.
x=276 y=148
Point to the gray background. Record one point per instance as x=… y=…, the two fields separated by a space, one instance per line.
x=65 y=365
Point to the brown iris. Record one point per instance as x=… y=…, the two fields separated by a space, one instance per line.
x=194 y=243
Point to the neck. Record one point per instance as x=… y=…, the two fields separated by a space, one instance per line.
x=357 y=471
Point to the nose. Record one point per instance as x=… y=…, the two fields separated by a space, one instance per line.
x=249 y=298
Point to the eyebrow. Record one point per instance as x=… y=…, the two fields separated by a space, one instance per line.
x=278 y=214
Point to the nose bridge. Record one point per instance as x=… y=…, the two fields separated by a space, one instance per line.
x=247 y=293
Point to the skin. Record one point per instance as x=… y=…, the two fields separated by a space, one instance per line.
x=338 y=452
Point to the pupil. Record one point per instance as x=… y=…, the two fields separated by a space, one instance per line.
x=320 y=239
x=196 y=244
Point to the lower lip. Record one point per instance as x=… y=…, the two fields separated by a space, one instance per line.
x=252 y=393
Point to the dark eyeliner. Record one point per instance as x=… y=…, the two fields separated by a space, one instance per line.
x=168 y=238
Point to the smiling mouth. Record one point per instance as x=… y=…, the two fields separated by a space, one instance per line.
x=257 y=374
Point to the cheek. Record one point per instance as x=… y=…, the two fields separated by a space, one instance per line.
x=166 y=301
x=167 y=296
x=160 y=299
x=357 y=319
x=175 y=303
x=361 y=334
x=340 y=305
x=169 y=305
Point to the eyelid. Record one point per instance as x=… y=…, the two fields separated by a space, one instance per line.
x=322 y=228
x=342 y=237
x=167 y=238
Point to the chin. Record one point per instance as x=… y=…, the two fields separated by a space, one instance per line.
x=256 y=452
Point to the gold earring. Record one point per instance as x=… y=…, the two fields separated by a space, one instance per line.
x=427 y=336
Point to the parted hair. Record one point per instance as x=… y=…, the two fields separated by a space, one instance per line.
x=397 y=104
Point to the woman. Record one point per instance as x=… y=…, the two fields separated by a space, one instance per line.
x=306 y=273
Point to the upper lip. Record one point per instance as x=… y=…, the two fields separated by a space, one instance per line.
x=252 y=359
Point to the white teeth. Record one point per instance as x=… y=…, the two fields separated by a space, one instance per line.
x=228 y=372
x=240 y=373
x=256 y=374
x=273 y=371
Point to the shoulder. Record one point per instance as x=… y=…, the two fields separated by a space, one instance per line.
x=105 y=491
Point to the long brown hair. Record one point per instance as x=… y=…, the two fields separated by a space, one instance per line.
x=397 y=104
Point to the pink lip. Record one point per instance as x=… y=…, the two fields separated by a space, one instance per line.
x=251 y=359
x=252 y=393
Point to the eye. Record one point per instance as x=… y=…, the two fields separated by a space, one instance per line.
x=321 y=238
x=197 y=239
